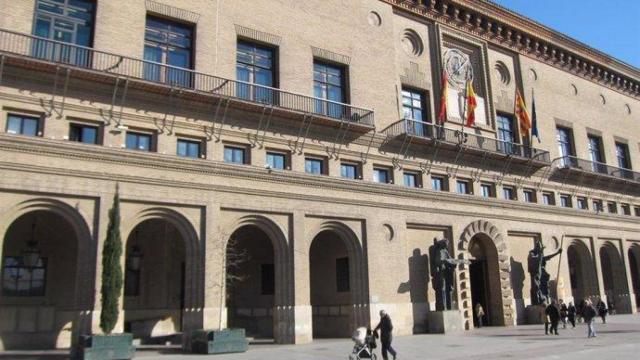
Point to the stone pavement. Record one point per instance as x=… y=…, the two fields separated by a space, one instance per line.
x=618 y=339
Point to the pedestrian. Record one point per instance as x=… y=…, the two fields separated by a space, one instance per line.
x=564 y=312
x=572 y=314
x=479 y=314
x=579 y=310
x=544 y=316
x=386 y=337
x=553 y=313
x=602 y=311
x=589 y=314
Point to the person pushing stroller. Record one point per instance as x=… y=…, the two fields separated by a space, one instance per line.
x=365 y=342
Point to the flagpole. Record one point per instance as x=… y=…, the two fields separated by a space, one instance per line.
x=464 y=114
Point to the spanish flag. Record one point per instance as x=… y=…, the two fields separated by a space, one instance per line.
x=471 y=105
x=442 y=117
x=522 y=114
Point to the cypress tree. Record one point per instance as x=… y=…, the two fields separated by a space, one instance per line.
x=111 y=269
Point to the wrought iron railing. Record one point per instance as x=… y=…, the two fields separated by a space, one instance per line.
x=76 y=56
x=598 y=168
x=435 y=132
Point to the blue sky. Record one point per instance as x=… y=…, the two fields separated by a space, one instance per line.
x=611 y=26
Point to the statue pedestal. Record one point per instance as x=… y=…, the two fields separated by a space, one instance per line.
x=441 y=322
x=535 y=314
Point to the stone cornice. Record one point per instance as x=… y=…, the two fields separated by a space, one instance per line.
x=44 y=147
x=499 y=26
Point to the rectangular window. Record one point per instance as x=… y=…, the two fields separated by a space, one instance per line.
x=463 y=187
x=548 y=198
x=414 y=110
x=596 y=154
x=381 y=175
x=276 y=160
x=189 y=148
x=438 y=183
x=597 y=206
x=612 y=207
x=636 y=210
x=314 y=166
x=582 y=203
x=565 y=145
x=488 y=190
x=23 y=125
x=20 y=280
x=267 y=279
x=235 y=154
x=168 y=42
x=411 y=179
x=349 y=171
x=83 y=133
x=138 y=141
x=342 y=275
x=255 y=64
x=509 y=192
x=68 y=21
x=329 y=83
x=529 y=195
x=626 y=209
x=622 y=155
x=506 y=134
x=565 y=201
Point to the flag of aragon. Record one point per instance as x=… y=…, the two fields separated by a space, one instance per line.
x=471 y=105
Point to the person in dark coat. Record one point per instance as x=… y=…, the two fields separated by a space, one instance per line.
x=602 y=311
x=564 y=312
x=571 y=312
x=386 y=337
x=588 y=314
x=553 y=313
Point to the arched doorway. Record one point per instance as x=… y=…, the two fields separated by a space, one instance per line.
x=484 y=278
x=337 y=288
x=251 y=282
x=155 y=276
x=614 y=279
x=42 y=293
x=634 y=267
x=582 y=274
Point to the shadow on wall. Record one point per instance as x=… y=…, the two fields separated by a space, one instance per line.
x=517 y=283
x=417 y=287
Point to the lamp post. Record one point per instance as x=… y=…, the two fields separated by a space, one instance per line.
x=31 y=254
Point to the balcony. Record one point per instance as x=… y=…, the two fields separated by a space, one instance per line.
x=596 y=170
x=44 y=54
x=430 y=135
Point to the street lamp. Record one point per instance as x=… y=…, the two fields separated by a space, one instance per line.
x=31 y=254
x=135 y=257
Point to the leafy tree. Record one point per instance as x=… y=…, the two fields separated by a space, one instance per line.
x=111 y=269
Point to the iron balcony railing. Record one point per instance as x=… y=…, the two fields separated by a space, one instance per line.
x=82 y=57
x=440 y=133
x=598 y=168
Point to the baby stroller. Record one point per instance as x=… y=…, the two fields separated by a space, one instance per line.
x=365 y=342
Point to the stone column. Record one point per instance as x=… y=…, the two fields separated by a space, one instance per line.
x=627 y=270
x=213 y=311
x=595 y=252
x=302 y=311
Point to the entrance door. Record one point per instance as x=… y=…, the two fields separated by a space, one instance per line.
x=479 y=289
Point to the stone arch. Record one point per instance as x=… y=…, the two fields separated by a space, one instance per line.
x=283 y=316
x=193 y=289
x=615 y=285
x=357 y=268
x=85 y=258
x=485 y=228
x=582 y=274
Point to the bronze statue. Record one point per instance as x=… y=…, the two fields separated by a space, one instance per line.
x=444 y=269
x=537 y=263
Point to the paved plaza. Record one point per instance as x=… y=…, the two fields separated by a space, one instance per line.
x=618 y=339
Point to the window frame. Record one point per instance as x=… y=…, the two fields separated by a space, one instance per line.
x=232 y=146
x=388 y=171
x=352 y=164
x=549 y=195
x=164 y=46
x=21 y=268
x=416 y=176
x=534 y=198
x=468 y=186
x=623 y=148
x=138 y=134
x=443 y=182
x=612 y=205
x=319 y=159
x=328 y=108
x=81 y=125
x=566 y=201
x=584 y=201
x=512 y=189
x=491 y=187
x=626 y=209
x=286 y=158
x=22 y=117
x=201 y=147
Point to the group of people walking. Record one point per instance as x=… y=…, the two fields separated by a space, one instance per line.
x=586 y=311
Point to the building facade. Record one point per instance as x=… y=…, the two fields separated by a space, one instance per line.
x=279 y=167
